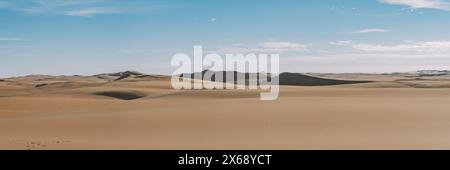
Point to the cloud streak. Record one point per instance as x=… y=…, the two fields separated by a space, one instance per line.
x=370 y=30
x=89 y=12
x=10 y=39
x=268 y=47
x=85 y=8
x=283 y=45
x=4 y=4
x=429 y=47
x=341 y=43
x=418 y=4
x=416 y=47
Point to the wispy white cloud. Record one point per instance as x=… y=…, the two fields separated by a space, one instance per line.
x=268 y=47
x=429 y=47
x=89 y=12
x=370 y=30
x=41 y=6
x=10 y=39
x=417 y=4
x=82 y=8
x=4 y=4
x=61 y=3
x=342 y=43
x=283 y=45
x=406 y=46
x=213 y=19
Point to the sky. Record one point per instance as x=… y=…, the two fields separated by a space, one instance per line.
x=85 y=37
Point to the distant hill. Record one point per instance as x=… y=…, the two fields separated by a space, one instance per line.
x=297 y=79
x=128 y=76
x=433 y=72
x=293 y=79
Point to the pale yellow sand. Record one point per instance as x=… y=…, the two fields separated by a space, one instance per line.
x=65 y=115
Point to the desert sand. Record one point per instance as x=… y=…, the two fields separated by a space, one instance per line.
x=135 y=111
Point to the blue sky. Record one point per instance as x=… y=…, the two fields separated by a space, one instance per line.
x=96 y=36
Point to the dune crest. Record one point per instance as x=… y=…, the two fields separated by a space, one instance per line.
x=293 y=79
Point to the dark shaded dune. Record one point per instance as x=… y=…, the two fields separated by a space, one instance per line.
x=122 y=77
x=211 y=76
x=144 y=77
x=104 y=77
x=126 y=74
x=122 y=95
x=153 y=76
x=130 y=76
x=296 y=79
x=118 y=76
x=40 y=85
x=293 y=79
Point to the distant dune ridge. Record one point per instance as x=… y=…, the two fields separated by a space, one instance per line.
x=40 y=85
x=297 y=79
x=293 y=79
x=129 y=75
x=118 y=76
x=419 y=79
x=433 y=72
x=126 y=74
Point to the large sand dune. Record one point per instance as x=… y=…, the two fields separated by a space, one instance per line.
x=137 y=111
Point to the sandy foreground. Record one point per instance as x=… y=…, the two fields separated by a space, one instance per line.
x=68 y=113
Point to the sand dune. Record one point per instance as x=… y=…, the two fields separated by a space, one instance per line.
x=92 y=112
x=293 y=79
x=297 y=79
